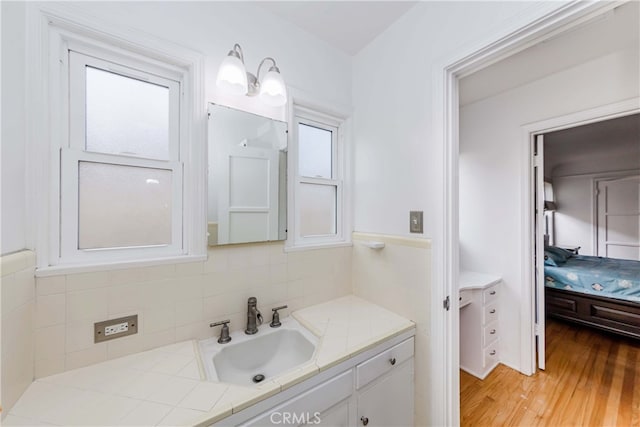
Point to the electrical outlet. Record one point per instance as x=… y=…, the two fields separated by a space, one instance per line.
x=415 y=222
x=115 y=328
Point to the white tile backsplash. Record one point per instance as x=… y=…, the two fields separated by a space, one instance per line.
x=87 y=305
x=176 y=302
x=50 y=310
x=398 y=278
x=18 y=319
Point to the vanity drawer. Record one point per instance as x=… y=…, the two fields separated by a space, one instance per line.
x=490 y=294
x=490 y=314
x=490 y=356
x=383 y=363
x=318 y=399
x=490 y=333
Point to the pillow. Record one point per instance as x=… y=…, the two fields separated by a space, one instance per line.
x=559 y=253
x=551 y=260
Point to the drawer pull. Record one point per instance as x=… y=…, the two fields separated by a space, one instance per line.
x=493 y=310
x=492 y=352
x=364 y=420
x=493 y=331
x=492 y=293
x=392 y=361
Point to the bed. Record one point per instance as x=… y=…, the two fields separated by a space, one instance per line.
x=594 y=291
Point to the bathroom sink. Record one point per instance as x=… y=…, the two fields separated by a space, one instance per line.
x=252 y=359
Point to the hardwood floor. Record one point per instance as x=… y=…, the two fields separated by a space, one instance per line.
x=591 y=379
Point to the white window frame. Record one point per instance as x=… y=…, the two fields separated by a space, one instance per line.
x=73 y=152
x=307 y=116
x=54 y=29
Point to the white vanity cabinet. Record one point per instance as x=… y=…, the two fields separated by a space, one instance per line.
x=385 y=387
x=388 y=401
x=479 y=327
x=374 y=388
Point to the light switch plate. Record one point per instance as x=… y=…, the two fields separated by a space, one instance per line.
x=115 y=328
x=415 y=222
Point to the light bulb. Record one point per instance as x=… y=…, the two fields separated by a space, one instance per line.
x=232 y=76
x=273 y=91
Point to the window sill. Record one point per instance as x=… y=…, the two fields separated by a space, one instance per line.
x=59 y=270
x=310 y=247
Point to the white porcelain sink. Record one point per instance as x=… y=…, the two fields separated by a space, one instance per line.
x=252 y=359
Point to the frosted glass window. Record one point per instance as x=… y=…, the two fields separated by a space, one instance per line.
x=126 y=115
x=315 y=152
x=123 y=206
x=317 y=209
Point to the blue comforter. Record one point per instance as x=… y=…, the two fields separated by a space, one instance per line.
x=609 y=277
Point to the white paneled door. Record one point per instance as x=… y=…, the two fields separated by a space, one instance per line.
x=538 y=201
x=248 y=200
x=618 y=227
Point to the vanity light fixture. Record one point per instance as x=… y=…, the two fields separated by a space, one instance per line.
x=235 y=79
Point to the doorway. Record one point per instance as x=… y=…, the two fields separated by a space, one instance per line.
x=502 y=197
x=587 y=202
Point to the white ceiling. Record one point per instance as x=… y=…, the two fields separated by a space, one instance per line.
x=345 y=25
x=617 y=30
x=615 y=140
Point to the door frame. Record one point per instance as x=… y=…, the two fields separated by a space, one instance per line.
x=593 y=115
x=544 y=21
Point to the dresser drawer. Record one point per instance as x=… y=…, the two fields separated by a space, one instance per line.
x=490 y=356
x=490 y=295
x=465 y=297
x=490 y=333
x=489 y=314
x=383 y=363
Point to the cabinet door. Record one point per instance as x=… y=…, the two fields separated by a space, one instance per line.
x=388 y=401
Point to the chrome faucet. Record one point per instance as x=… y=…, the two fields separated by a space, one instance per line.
x=254 y=317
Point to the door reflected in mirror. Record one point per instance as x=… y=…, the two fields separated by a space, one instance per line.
x=247 y=197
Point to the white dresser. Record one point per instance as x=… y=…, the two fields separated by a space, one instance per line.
x=479 y=329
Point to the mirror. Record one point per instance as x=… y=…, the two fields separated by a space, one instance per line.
x=247 y=187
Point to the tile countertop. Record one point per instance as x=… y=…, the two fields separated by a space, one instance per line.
x=166 y=387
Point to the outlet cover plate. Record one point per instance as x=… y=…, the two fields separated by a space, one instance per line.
x=99 y=333
x=415 y=222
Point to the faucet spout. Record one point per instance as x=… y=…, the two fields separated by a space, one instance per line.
x=259 y=318
x=254 y=317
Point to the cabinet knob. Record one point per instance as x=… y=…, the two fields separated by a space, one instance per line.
x=364 y=420
x=392 y=361
x=493 y=331
x=492 y=353
x=492 y=293
x=493 y=310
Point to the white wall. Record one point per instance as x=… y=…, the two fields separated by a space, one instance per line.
x=17 y=320
x=398 y=163
x=491 y=173
x=574 y=218
x=13 y=204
